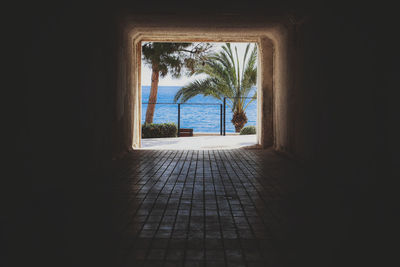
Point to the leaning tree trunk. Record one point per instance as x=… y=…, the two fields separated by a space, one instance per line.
x=153 y=94
x=239 y=119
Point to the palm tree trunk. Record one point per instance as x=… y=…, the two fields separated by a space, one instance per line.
x=239 y=119
x=153 y=94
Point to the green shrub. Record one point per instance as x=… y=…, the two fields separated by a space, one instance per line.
x=156 y=130
x=248 y=130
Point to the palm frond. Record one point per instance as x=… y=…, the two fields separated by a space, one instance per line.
x=225 y=78
x=244 y=59
x=250 y=74
x=238 y=70
x=206 y=87
x=254 y=97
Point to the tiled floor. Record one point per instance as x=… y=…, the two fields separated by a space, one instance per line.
x=200 y=208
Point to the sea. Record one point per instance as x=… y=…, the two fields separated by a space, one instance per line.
x=203 y=118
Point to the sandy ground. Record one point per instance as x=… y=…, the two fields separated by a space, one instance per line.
x=200 y=142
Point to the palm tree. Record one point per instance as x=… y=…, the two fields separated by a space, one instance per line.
x=226 y=79
x=170 y=58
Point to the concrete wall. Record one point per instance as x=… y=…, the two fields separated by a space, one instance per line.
x=265 y=96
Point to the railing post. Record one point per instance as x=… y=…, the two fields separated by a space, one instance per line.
x=224 y=116
x=179 y=120
x=220 y=119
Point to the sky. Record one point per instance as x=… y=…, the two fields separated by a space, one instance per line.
x=169 y=81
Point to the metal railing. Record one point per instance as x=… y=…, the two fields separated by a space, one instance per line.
x=222 y=112
x=202 y=104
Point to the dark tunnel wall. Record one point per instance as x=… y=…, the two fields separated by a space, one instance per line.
x=62 y=150
x=342 y=96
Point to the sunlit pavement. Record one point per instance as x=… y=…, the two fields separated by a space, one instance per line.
x=200 y=142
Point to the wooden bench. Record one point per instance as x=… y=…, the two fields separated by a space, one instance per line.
x=185 y=132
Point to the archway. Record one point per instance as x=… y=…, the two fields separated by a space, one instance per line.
x=272 y=75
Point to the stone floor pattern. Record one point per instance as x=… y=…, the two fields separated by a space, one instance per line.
x=199 y=208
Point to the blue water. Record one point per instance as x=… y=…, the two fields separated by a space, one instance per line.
x=204 y=118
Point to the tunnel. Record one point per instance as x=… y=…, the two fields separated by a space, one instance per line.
x=314 y=194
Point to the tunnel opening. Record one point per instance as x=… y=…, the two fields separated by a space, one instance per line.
x=273 y=78
x=206 y=91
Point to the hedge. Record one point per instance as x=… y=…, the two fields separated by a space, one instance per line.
x=156 y=130
x=248 y=130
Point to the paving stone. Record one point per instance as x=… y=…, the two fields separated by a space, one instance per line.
x=199 y=208
x=175 y=254
x=214 y=254
x=215 y=263
x=156 y=254
x=191 y=263
x=195 y=254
